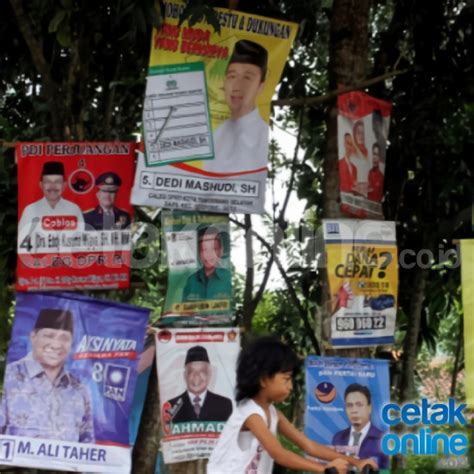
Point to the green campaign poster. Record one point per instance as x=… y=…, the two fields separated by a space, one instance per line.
x=199 y=268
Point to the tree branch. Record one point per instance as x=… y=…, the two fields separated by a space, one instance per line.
x=293 y=168
x=248 y=307
x=289 y=284
x=320 y=99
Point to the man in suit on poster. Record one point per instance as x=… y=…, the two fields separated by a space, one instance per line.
x=107 y=216
x=362 y=433
x=198 y=403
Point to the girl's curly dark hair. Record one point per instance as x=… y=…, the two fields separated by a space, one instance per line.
x=263 y=357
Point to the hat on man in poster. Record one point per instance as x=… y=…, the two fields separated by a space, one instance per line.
x=52 y=168
x=249 y=52
x=54 y=319
x=196 y=354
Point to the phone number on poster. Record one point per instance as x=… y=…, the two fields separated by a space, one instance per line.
x=358 y=323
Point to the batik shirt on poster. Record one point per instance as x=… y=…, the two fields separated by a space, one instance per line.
x=69 y=383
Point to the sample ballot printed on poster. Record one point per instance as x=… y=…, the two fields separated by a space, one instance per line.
x=176 y=115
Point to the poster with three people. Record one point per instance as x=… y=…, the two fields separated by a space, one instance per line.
x=243 y=62
x=362 y=136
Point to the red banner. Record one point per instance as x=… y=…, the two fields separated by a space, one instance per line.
x=74 y=215
x=362 y=125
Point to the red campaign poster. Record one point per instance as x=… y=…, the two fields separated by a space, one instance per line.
x=74 y=215
x=362 y=131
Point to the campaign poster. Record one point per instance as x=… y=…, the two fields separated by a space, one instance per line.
x=467 y=281
x=69 y=383
x=243 y=64
x=176 y=118
x=74 y=215
x=362 y=268
x=196 y=376
x=344 y=401
x=362 y=134
x=199 y=268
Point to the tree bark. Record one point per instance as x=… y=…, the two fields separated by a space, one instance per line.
x=248 y=307
x=410 y=347
x=147 y=444
x=349 y=37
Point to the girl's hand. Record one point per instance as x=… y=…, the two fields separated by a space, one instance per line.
x=339 y=464
x=360 y=463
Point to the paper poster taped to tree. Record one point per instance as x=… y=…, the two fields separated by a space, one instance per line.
x=176 y=117
x=243 y=64
x=196 y=375
x=74 y=215
x=467 y=281
x=344 y=401
x=362 y=268
x=362 y=129
x=199 y=268
x=69 y=383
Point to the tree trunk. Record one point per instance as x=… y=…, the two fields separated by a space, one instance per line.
x=410 y=348
x=147 y=445
x=347 y=65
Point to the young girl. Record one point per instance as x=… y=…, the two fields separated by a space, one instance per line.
x=249 y=444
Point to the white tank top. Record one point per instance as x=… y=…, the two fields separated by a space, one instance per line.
x=239 y=452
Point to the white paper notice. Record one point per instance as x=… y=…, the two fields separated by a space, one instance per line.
x=176 y=115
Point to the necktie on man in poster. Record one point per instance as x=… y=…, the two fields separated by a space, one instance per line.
x=197 y=363
x=201 y=81
x=74 y=215
x=70 y=379
x=344 y=401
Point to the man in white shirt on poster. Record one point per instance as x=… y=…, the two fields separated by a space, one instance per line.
x=52 y=204
x=241 y=142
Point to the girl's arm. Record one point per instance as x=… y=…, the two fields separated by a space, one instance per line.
x=286 y=428
x=283 y=456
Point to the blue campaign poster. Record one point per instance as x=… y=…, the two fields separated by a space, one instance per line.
x=344 y=399
x=70 y=381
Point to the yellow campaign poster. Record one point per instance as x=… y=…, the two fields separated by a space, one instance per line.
x=362 y=268
x=243 y=64
x=467 y=279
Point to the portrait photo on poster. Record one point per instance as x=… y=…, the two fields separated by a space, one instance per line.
x=70 y=378
x=344 y=401
x=198 y=249
x=243 y=66
x=363 y=124
x=241 y=141
x=196 y=376
x=74 y=227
